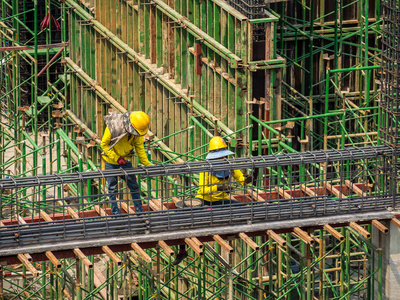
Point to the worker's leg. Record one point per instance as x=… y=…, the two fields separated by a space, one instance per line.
x=134 y=188
x=182 y=254
x=222 y=202
x=113 y=189
x=213 y=203
x=230 y=201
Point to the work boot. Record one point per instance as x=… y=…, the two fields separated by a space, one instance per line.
x=182 y=254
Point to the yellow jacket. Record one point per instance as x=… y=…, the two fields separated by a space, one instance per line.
x=208 y=186
x=123 y=148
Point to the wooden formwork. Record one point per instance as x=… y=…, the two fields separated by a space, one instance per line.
x=185 y=63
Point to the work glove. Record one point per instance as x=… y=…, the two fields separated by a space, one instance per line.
x=223 y=187
x=248 y=179
x=121 y=161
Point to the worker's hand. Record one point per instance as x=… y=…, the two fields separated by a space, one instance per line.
x=248 y=179
x=121 y=161
x=223 y=187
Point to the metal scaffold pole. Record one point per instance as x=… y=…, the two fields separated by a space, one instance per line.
x=291 y=86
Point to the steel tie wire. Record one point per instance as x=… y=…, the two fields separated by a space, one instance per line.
x=291 y=191
x=127 y=195
x=190 y=195
x=315 y=186
x=16 y=202
x=211 y=210
x=230 y=185
x=252 y=186
x=326 y=180
x=168 y=210
x=79 y=205
x=38 y=202
x=63 y=208
x=149 y=192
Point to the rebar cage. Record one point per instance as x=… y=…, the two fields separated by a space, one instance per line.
x=285 y=186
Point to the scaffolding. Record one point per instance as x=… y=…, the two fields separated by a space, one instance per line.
x=277 y=78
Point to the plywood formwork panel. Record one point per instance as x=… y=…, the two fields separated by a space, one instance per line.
x=146 y=46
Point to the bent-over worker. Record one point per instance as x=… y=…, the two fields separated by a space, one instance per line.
x=124 y=132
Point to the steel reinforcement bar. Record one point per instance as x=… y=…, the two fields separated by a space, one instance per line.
x=194 y=222
x=290 y=159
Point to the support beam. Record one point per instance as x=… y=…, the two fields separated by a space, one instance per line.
x=249 y=241
x=254 y=195
x=222 y=243
x=303 y=235
x=360 y=230
x=28 y=265
x=166 y=248
x=277 y=238
x=335 y=234
x=45 y=216
x=380 y=226
x=112 y=255
x=53 y=259
x=141 y=252
x=354 y=188
x=198 y=243
x=194 y=246
x=334 y=190
x=83 y=258
x=100 y=211
x=396 y=222
x=282 y=193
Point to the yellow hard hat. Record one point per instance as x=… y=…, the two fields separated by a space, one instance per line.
x=217 y=142
x=140 y=121
x=217 y=148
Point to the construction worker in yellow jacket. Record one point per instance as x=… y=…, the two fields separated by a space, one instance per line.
x=214 y=187
x=123 y=134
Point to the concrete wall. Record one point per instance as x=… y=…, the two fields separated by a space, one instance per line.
x=390 y=245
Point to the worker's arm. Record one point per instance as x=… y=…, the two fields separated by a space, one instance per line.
x=138 y=143
x=205 y=183
x=239 y=177
x=105 y=144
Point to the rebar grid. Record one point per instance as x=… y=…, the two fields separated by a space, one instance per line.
x=284 y=187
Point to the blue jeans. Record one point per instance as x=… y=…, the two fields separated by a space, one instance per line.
x=130 y=182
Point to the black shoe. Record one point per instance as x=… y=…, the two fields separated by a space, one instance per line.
x=179 y=258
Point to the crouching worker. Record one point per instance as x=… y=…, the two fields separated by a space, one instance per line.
x=123 y=134
x=214 y=188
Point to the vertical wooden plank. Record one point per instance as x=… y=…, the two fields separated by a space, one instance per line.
x=165 y=43
x=165 y=127
x=160 y=114
x=177 y=57
x=137 y=89
x=141 y=26
x=171 y=42
x=149 y=32
x=136 y=17
x=153 y=114
x=171 y=121
x=231 y=71
x=217 y=59
x=224 y=68
x=154 y=23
